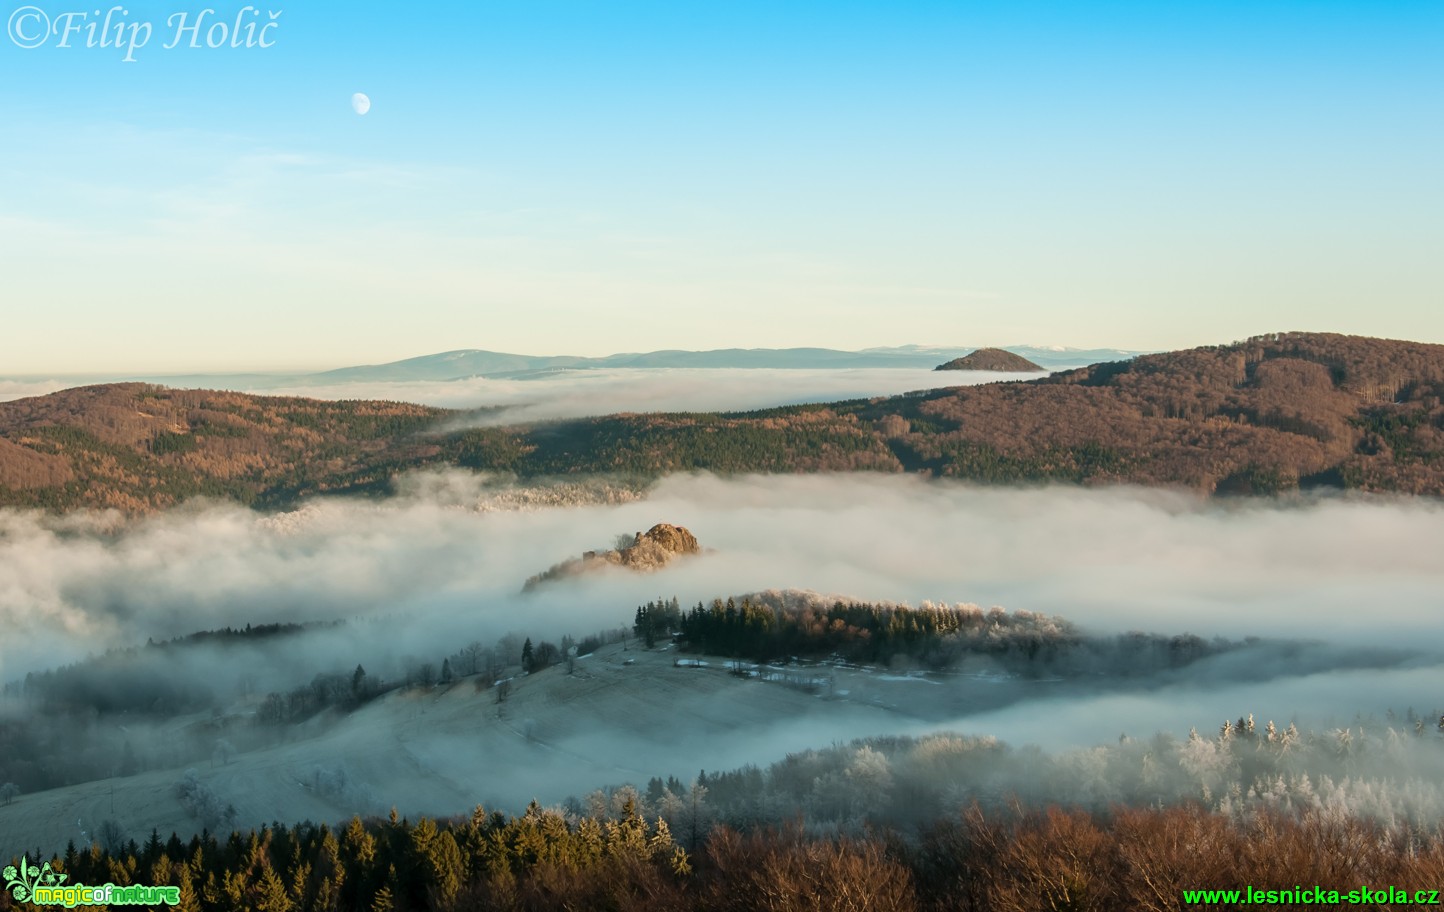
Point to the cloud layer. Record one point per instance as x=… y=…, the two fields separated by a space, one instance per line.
x=1336 y=570
x=442 y=564
x=580 y=393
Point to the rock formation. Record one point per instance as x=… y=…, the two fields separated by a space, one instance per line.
x=648 y=551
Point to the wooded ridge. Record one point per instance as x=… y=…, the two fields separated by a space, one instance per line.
x=1272 y=414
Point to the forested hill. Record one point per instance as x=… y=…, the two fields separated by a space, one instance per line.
x=1263 y=416
x=137 y=447
x=1267 y=415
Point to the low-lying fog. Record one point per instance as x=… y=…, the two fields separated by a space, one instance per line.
x=443 y=562
x=544 y=396
x=22 y=389
x=582 y=393
x=1350 y=572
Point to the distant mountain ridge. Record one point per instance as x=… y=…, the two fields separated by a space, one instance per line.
x=465 y=363
x=1271 y=414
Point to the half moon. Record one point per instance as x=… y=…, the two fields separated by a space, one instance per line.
x=360 y=103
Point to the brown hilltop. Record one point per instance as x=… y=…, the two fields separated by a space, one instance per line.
x=1273 y=413
x=991 y=359
x=138 y=447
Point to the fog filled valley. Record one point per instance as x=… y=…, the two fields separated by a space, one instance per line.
x=722 y=457
x=461 y=687
x=571 y=393
x=365 y=654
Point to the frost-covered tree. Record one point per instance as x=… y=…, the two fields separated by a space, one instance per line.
x=870 y=777
x=111 y=836
x=225 y=752
x=471 y=657
x=687 y=813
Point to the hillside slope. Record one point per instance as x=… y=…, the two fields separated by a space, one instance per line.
x=137 y=447
x=1267 y=415
x=623 y=716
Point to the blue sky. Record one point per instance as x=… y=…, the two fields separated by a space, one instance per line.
x=589 y=178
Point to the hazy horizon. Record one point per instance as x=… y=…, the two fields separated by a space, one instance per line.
x=336 y=362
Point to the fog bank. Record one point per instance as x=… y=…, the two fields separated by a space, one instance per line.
x=583 y=393
x=453 y=550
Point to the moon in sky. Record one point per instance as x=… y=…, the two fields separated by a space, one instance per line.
x=360 y=103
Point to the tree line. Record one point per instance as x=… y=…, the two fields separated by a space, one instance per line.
x=1016 y=860
x=779 y=626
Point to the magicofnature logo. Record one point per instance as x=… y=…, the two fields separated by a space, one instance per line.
x=44 y=886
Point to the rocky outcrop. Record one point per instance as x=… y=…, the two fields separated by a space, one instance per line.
x=650 y=550
x=653 y=548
